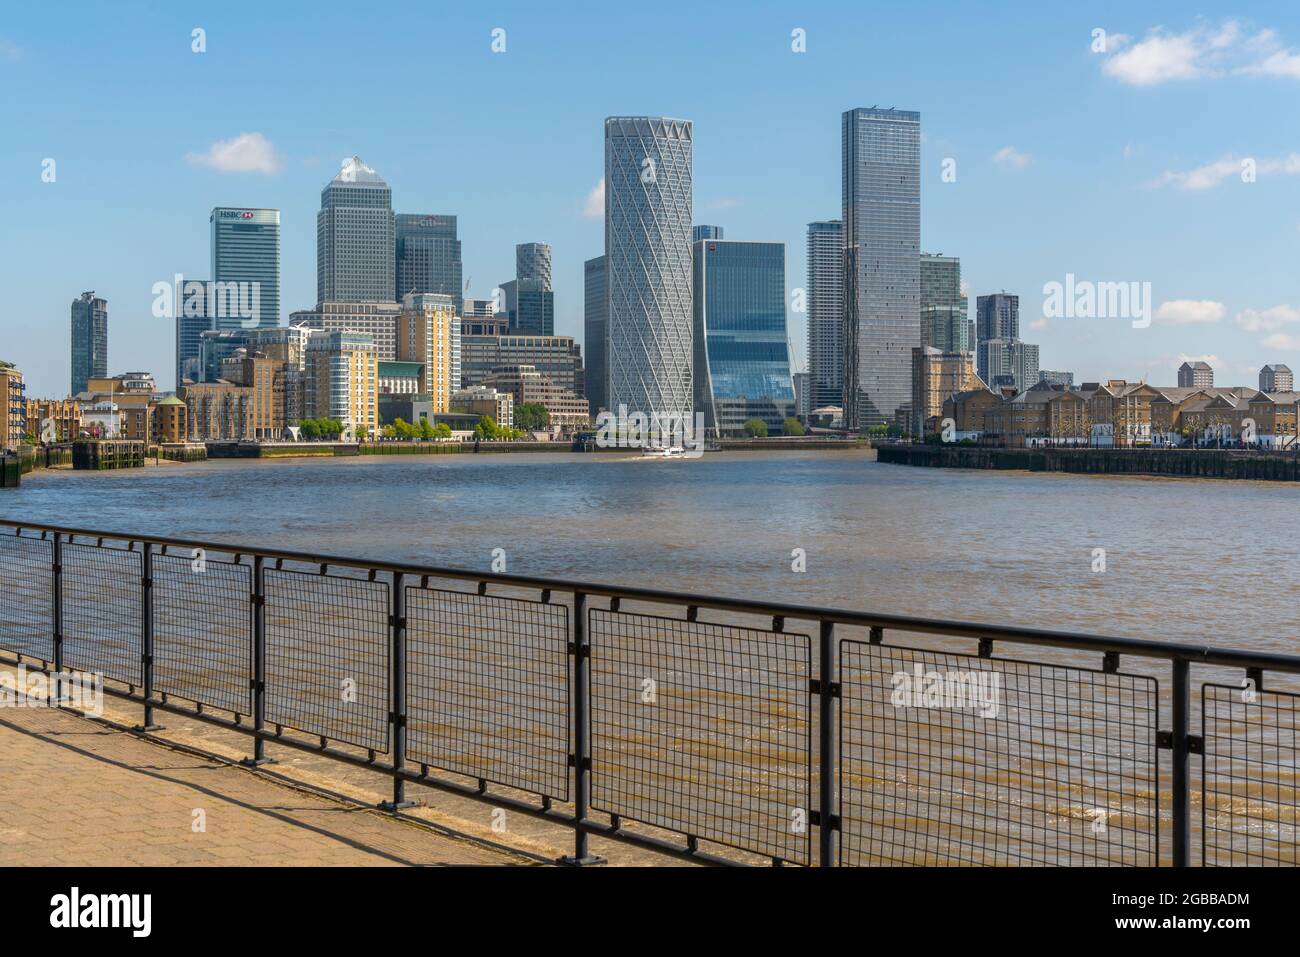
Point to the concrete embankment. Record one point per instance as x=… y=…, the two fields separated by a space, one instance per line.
x=1190 y=463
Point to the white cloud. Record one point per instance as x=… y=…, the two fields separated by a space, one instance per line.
x=724 y=203
x=1199 y=53
x=246 y=153
x=1040 y=323
x=594 y=205
x=1009 y=158
x=10 y=51
x=1267 y=320
x=1282 y=340
x=1187 y=312
x=1212 y=174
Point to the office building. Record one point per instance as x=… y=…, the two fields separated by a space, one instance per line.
x=246 y=253
x=429 y=333
x=526 y=385
x=1196 y=375
x=481 y=400
x=1276 y=378
x=376 y=319
x=742 y=361
x=89 y=340
x=478 y=308
x=595 y=311
x=648 y=206
x=355 y=237
x=881 y=155
x=427 y=256
x=558 y=358
x=824 y=300
x=705 y=232
x=945 y=324
x=193 y=318
x=529 y=307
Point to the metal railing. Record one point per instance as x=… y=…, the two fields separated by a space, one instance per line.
x=768 y=733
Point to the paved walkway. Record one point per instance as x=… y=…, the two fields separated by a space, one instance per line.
x=75 y=792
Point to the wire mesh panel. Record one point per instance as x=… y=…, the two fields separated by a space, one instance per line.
x=488 y=688
x=203 y=636
x=27 y=602
x=958 y=759
x=327 y=656
x=1250 y=798
x=103 y=630
x=703 y=729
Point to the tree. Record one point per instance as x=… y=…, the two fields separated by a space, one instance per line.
x=792 y=426
x=442 y=431
x=486 y=428
x=756 y=428
x=310 y=429
x=532 y=417
x=426 y=430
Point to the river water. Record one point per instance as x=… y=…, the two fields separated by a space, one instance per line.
x=1184 y=559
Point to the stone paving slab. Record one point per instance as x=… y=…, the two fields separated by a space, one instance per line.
x=76 y=792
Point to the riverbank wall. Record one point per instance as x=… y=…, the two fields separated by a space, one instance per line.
x=1188 y=463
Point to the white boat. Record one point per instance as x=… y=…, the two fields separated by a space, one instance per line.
x=663 y=452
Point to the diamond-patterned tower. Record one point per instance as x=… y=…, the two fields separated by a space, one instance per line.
x=648 y=206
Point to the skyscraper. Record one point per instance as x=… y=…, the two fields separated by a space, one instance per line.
x=193 y=318
x=89 y=340
x=825 y=305
x=742 y=361
x=355 y=237
x=594 y=323
x=882 y=246
x=997 y=316
x=428 y=333
x=705 y=232
x=648 y=204
x=944 y=322
x=427 y=256
x=246 y=249
x=533 y=261
x=529 y=306
x=1008 y=362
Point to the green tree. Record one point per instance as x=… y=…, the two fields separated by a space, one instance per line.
x=310 y=429
x=756 y=428
x=487 y=428
x=442 y=431
x=532 y=417
x=792 y=426
x=426 y=430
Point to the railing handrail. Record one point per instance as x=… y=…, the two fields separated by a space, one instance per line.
x=1140 y=647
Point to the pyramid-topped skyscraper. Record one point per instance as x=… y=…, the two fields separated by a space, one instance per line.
x=355 y=237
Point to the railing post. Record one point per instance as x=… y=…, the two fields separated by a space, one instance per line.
x=57 y=579
x=146 y=633
x=828 y=688
x=581 y=650
x=1182 y=819
x=258 y=600
x=397 y=718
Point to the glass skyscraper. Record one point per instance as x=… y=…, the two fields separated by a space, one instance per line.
x=355 y=238
x=648 y=204
x=594 y=314
x=945 y=324
x=825 y=305
x=742 y=358
x=428 y=257
x=246 y=249
x=89 y=340
x=882 y=249
x=533 y=261
x=705 y=232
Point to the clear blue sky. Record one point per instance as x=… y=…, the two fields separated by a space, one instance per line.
x=1106 y=165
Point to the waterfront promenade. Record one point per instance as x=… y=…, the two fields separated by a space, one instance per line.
x=78 y=792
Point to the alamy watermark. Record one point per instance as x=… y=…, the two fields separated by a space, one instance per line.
x=652 y=431
x=971 y=690
x=1085 y=299
x=199 y=299
x=81 y=692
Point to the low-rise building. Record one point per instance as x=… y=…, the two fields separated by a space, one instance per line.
x=54 y=420
x=527 y=385
x=170 y=421
x=482 y=400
